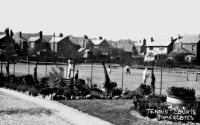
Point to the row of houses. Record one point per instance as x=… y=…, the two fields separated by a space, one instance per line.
x=70 y=46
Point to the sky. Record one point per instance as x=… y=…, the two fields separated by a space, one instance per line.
x=111 y=19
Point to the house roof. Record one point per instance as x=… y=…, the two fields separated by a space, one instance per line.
x=126 y=45
x=1 y=33
x=138 y=43
x=79 y=40
x=56 y=39
x=2 y=36
x=32 y=39
x=47 y=38
x=113 y=43
x=159 y=42
x=180 y=50
x=189 y=39
x=26 y=36
x=74 y=40
x=97 y=41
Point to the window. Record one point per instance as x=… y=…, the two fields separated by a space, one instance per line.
x=151 y=47
x=161 y=48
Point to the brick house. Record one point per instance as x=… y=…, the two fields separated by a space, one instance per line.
x=128 y=46
x=7 y=43
x=65 y=46
x=190 y=43
x=38 y=43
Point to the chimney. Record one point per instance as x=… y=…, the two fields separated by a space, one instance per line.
x=61 y=35
x=179 y=36
x=100 y=38
x=40 y=34
x=152 y=39
x=172 y=39
x=7 y=31
x=144 y=42
x=20 y=34
x=11 y=33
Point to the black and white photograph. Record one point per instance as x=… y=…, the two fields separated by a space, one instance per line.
x=100 y=62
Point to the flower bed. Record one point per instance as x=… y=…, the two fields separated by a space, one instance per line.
x=157 y=106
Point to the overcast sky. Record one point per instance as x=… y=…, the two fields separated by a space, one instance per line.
x=111 y=19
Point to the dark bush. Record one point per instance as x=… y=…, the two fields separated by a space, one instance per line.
x=97 y=95
x=116 y=92
x=180 y=91
x=80 y=88
x=157 y=98
x=28 y=80
x=33 y=90
x=22 y=88
x=144 y=89
x=2 y=80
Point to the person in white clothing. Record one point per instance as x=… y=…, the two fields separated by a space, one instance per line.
x=145 y=75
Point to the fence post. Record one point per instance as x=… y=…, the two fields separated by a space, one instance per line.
x=14 y=68
x=161 y=80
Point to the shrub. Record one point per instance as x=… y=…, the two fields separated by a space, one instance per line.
x=157 y=98
x=97 y=95
x=80 y=88
x=28 y=80
x=22 y=88
x=180 y=91
x=132 y=94
x=144 y=89
x=2 y=80
x=108 y=85
x=33 y=90
x=116 y=92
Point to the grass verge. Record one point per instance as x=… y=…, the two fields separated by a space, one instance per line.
x=114 y=111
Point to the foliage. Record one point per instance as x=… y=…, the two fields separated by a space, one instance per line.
x=33 y=90
x=179 y=58
x=116 y=92
x=132 y=94
x=81 y=88
x=108 y=85
x=144 y=89
x=55 y=77
x=181 y=91
x=151 y=102
x=169 y=62
x=2 y=79
x=97 y=95
x=28 y=80
x=157 y=98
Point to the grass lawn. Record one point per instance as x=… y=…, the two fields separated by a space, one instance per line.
x=114 y=111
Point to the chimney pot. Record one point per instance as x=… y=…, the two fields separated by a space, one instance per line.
x=40 y=33
x=152 y=39
x=20 y=34
x=7 y=31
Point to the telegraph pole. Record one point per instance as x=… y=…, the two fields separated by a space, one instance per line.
x=122 y=70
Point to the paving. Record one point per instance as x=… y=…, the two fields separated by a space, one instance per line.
x=16 y=108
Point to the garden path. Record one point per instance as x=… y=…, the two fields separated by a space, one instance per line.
x=16 y=108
